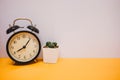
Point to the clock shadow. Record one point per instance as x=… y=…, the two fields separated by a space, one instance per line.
x=28 y=63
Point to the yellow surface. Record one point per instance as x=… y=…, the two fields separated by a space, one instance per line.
x=65 y=69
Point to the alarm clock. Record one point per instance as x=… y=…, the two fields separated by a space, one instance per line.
x=23 y=46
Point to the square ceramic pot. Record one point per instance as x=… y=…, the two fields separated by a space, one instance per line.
x=50 y=55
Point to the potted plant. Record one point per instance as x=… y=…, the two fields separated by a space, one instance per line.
x=50 y=52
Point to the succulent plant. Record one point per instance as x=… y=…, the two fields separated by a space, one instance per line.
x=54 y=43
x=48 y=43
x=51 y=45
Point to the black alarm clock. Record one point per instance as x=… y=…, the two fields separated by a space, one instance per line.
x=23 y=46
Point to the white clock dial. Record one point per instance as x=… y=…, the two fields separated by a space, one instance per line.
x=23 y=46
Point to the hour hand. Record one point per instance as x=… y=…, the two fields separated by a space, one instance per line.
x=20 y=49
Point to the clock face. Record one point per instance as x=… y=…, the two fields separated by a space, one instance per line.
x=23 y=46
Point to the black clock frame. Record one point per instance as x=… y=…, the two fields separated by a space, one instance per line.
x=21 y=61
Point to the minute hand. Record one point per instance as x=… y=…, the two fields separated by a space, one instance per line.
x=27 y=43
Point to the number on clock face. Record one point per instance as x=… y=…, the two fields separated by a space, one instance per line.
x=23 y=46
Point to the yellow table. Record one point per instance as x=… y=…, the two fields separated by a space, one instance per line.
x=65 y=69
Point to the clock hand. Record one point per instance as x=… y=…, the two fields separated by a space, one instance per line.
x=23 y=46
x=26 y=43
x=20 y=49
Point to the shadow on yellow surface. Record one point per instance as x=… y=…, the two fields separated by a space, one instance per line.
x=65 y=69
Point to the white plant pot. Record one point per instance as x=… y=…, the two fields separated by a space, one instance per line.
x=50 y=55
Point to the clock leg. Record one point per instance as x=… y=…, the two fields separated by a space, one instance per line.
x=14 y=62
x=35 y=60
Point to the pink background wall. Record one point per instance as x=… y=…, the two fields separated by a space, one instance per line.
x=83 y=28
